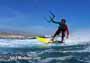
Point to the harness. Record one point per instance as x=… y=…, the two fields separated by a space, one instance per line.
x=62 y=26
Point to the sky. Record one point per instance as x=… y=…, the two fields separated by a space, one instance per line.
x=28 y=15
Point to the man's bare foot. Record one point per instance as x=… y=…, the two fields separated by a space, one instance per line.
x=51 y=41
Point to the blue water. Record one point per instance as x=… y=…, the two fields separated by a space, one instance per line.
x=42 y=53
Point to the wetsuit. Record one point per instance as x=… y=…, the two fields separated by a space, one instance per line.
x=61 y=29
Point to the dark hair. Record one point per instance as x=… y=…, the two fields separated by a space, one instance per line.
x=63 y=20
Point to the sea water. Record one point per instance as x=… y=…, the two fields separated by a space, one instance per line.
x=32 y=51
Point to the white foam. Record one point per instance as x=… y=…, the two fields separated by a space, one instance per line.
x=19 y=43
x=33 y=42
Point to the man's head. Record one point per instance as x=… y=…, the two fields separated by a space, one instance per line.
x=63 y=21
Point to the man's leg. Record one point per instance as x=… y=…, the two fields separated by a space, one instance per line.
x=56 y=33
x=62 y=38
x=54 y=36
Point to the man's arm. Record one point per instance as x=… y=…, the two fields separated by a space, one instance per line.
x=52 y=20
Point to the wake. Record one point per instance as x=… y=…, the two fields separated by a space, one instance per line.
x=34 y=42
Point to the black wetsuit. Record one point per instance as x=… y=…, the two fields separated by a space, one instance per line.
x=61 y=29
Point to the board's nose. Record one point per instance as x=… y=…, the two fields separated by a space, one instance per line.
x=43 y=40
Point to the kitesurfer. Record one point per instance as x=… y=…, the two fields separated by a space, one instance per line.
x=62 y=28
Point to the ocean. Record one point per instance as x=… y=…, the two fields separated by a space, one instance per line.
x=32 y=51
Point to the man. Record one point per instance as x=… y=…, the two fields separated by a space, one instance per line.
x=62 y=28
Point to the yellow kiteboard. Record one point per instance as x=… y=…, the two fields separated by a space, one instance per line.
x=43 y=40
x=46 y=40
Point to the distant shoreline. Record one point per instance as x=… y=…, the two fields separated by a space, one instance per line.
x=5 y=35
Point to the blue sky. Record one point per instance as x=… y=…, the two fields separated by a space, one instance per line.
x=28 y=15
